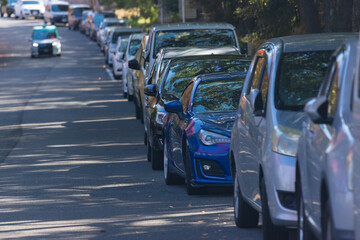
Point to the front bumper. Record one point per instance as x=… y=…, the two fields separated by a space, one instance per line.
x=45 y=50
x=32 y=13
x=279 y=176
x=60 y=19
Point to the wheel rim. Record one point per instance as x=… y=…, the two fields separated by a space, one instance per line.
x=301 y=219
x=166 y=161
x=236 y=197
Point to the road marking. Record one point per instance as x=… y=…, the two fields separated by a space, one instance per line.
x=110 y=75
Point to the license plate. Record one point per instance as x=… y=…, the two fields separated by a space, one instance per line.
x=63 y=20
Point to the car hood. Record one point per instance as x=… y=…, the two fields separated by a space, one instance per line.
x=32 y=7
x=219 y=121
x=290 y=119
x=46 y=41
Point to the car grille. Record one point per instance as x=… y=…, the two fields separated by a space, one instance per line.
x=45 y=49
x=35 y=12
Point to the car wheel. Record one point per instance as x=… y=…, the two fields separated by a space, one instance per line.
x=303 y=230
x=137 y=109
x=145 y=138
x=245 y=216
x=125 y=95
x=327 y=225
x=169 y=177
x=32 y=56
x=190 y=190
x=148 y=155
x=130 y=97
x=156 y=158
x=269 y=230
x=141 y=115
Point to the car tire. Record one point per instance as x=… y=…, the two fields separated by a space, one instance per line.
x=156 y=158
x=169 y=177
x=269 y=230
x=145 y=138
x=303 y=229
x=130 y=97
x=137 y=110
x=141 y=115
x=32 y=56
x=148 y=155
x=327 y=223
x=125 y=95
x=245 y=216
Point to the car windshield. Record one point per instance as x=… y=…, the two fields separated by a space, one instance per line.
x=299 y=77
x=44 y=34
x=30 y=2
x=180 y=72
x=115 y=24
x=199 y=38
x=123 y=45
x=218 y=96
x=134 y=46
x=59 y=8
x=78 y=11
x=116 y=35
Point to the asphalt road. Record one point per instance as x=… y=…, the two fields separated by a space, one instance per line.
x=73 y=161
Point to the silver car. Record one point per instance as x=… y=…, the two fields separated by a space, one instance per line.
x=325 y=158
x=285 y=73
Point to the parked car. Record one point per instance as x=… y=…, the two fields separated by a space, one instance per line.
x=84 y=20
x=10 y=7
x=56 y=12
x=183 y=35
x=118 y=57
x=114 y=34
x=103 y=29
x=285 y=73
x=172 y=82
x=197 y=131
x=75 y=15
x=45 y=40
x=97 y=19
x=29 y=8
x=128 y=73
x=326 y=153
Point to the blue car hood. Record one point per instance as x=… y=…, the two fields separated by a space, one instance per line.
x=217 y=122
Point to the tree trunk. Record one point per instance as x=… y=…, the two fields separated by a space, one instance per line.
x=356 y=16
x=309 y=16
x=339 y=15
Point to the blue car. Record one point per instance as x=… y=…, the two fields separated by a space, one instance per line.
x=197 y=131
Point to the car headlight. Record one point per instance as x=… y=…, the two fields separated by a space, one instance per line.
x=35 y=44
x=285 y=140
x=349 y=170
x=160 y=116
x=210 y=138
x=55 y=44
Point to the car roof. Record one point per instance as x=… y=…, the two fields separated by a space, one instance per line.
x=79 y=5
x=58 y=3
x=310 y=42
x=209 y=56
x=45 y=27
x=194 y=25
x=197 y=51
x=126 y=29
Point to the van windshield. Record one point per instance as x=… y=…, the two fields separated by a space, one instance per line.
x=59 y=8
x=299 y=77
x=194 y=38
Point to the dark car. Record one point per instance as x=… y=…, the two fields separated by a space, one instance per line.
x=75 y=15
x=197 y=131
x=175 y=77
x=10 y=7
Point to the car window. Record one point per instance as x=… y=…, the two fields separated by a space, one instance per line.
x=299 y=77
x=78 y=11
x=116 y=35
x=333 y=92
x=264 y=85
x=44 y=34
x=256 y=74
x=185 y=99
x=182 y=71
x=115 y=24
x=218 y=96
x=123 y=45
x=198 y=37
x=134 y=46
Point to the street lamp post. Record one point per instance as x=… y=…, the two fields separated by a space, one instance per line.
x=183 y=10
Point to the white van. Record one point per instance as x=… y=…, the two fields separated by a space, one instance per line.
x=56 y=12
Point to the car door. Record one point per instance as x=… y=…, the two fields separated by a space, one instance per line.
x=252 y=129
x=319 y=136
x=178 y=123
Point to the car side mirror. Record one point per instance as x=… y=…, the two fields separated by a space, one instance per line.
x=174 y=106
x=256 y=102
x=133 y=64
x=316 y=109
x=150 y=90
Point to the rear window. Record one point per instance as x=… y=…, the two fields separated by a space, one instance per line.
x=78 y=11
x=44 y=34
x=123 y=45
x=180 y=72
x=218 y=96
x=59 y=8
x=299 y=77
x=196 y=38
